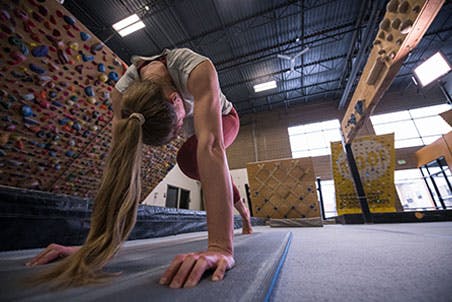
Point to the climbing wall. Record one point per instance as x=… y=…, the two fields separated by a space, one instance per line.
x=283 y=188
x=55 y=109
x=401 y=29
x=375 y=158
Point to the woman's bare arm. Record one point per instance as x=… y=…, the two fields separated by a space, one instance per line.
x=187 y=269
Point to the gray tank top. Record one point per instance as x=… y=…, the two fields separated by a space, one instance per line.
x=179 y=62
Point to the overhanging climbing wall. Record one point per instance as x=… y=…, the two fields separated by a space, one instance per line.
x=401 y=29
x=375 y=158
x=55 y=83
x=283 y=188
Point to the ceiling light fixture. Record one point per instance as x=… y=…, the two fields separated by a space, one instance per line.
x=432 y=69
x=264 y=86
x=128 y=25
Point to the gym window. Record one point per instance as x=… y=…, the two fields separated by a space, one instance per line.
x=314 y=139
x=414 y=127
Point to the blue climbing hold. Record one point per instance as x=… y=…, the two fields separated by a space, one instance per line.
x=86 y=58
x=84 y=36
x=96 y=47
x=101 y=67
x=37 y=69
x=52 y=94
x=40 y=51
x=113 y=76
x=77 y=126
x=63 y=121
x=89 y=91
x=27 y=111
x=69 y=153
x=69 y=20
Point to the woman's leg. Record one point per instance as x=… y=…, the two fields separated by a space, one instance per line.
x=186 y=159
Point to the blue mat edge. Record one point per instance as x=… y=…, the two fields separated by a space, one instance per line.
x=281 y=262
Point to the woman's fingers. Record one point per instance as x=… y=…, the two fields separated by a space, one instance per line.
x=196 y=273
x=172 y=270
x=187 y=270
x=183 y=272
x=46 y=256
x=221 y=269
x=52 y=252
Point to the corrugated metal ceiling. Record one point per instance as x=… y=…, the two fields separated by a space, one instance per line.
x=243 y=39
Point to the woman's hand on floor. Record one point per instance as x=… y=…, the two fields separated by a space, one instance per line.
x=51 y=253
x=187 y=269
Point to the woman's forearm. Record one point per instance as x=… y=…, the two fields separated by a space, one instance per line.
x=217 y=188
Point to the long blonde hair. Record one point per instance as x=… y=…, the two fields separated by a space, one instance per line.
x=116 y=202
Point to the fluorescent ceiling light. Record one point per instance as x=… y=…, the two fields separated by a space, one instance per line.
x=432 y=69
x=126 y=22
x=130 y=29
x=264 y=86
x=128 y=25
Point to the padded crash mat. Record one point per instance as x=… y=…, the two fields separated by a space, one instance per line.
x=259 y=258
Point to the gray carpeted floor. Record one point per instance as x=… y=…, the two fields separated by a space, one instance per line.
x=380 y=262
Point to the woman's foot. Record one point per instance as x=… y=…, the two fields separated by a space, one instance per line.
x=246 y=219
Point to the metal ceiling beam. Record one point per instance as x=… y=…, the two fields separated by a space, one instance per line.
x=351 y=50
x=247 y=19
x=257 y=55
x=228 y=38
x=377 y=8
x=181 y=25
x=284 y=70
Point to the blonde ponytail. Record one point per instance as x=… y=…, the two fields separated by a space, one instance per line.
x=114 y=212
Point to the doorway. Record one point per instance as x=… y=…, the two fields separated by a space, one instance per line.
x=177 y=198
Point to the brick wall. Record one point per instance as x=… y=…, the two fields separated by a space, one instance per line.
x=264 y=136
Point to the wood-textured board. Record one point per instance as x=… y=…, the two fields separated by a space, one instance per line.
x=283 y=188
x=375 y=158
x=442 y=147
x=401 y=29
x=55 y=109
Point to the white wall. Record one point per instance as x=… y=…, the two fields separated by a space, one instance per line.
x=177 y=179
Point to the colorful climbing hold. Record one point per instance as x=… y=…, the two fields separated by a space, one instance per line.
x=37 y=69
x=27 y=111
x=113 y=76
x=84 y=36
x=89 y=91
x=69 y=20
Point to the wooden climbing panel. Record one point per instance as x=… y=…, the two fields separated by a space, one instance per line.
x=55 y=83
x=283 y=188
x=375 y=158
x=401 y=29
